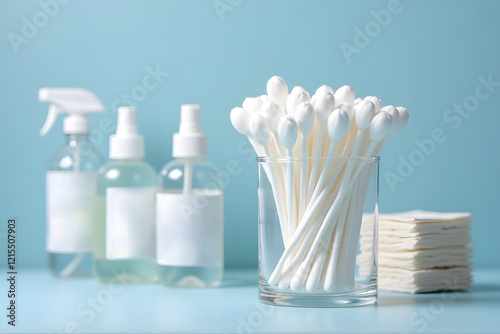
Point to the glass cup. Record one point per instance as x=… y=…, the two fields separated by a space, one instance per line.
x=317 y=258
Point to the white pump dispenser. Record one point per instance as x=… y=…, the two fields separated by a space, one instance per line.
x=71 y=182
x=126 y=143
x=189 y=142
x=75 y=102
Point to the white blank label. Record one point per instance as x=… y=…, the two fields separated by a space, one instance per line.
x=70 y=211
x=130 y=223
x=189 y=229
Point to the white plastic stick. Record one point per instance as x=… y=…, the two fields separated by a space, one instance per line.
x=188 y=177
x=290 y=200
x=288 y=130
x=305 y=114
x=325 y=103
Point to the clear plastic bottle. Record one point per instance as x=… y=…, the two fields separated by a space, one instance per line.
x=126 y=188
x=71 y=182
x=77 y=162
x=190 y=211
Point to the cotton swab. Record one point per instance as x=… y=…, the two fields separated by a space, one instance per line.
x=403 y=116
x=376 y=101
x=325 y=103
x=240 y=120
x=253 y=105
x=259 y=129
x=298 y=89
x=277 y=90
x=344 y=94
x=337 y=125
x=272 y=111
x=380 y=128
x=288 y=130
x=322 y=89
x=305 y=114
x=325 y=88
x=294 y=99
x=264 y=98
x=399 y=119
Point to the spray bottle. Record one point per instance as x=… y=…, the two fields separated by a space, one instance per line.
x=71 y=182
x=126 y=189
x=190 y=211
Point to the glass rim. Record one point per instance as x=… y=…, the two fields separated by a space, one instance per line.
x=371 y=159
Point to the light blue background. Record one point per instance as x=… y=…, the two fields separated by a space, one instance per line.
x=427 y=58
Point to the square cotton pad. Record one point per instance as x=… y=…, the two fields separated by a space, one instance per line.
x=419 y=251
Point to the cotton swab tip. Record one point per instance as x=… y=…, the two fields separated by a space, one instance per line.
x=403 y=117
x=391 y=110
x=337 y=124
x=364 y=114
x=294 y=100
x=298 y=89
x=240 y=119
x=325 y=88
x=380 y=126
x=259 y=127
x=288 y=131
x=305 y=114
x=348 y=107
x=264 y=98
x=345 y=94
x=253 y=105
x=376 y=101
x=272 y=111
x=277 y=90
x=325 y=103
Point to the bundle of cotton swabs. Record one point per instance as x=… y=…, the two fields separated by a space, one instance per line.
x=319 y=201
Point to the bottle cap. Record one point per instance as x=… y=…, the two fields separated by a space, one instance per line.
x=189 y=142
x=126 y=143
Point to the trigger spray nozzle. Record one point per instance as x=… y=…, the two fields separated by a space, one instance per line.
x=77 y=103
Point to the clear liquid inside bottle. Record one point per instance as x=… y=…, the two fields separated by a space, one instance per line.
x=122 y=174
x=200 y=178
x=77 y=157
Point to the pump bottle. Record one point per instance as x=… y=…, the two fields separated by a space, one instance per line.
x=71 y=183
x=190 y=211
x=126 y=189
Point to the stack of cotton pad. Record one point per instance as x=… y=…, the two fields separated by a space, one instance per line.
x=420 y=251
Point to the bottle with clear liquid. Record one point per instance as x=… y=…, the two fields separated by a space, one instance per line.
x=126 y=188
x=71 y=182
x=190 y=211
x=72 y=178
